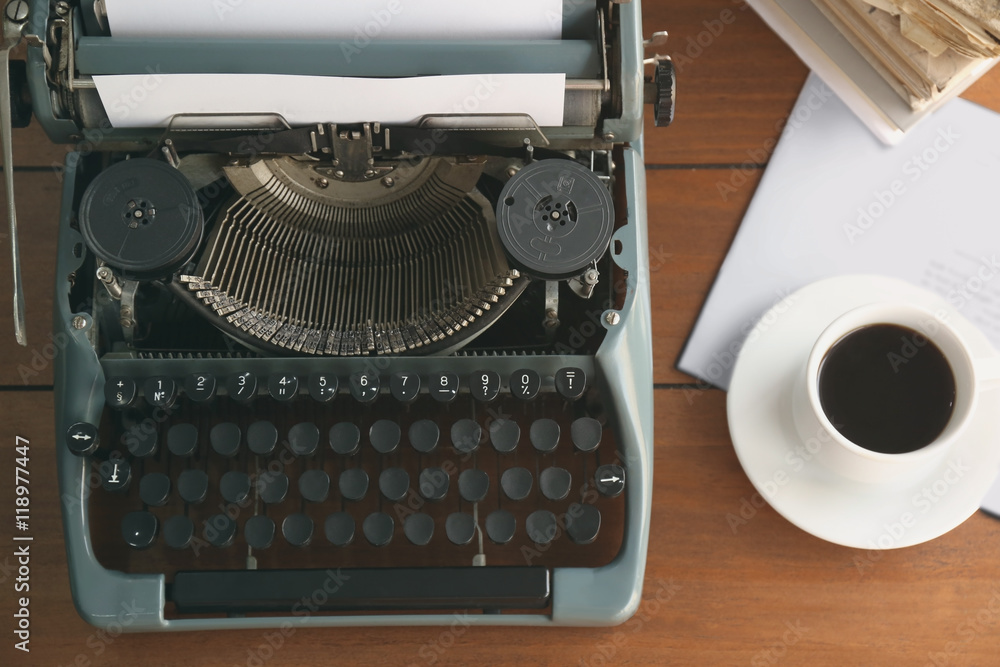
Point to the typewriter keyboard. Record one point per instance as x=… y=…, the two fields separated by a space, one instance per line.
x=234 y=466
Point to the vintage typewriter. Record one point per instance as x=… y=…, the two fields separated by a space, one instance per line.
x=349 y=371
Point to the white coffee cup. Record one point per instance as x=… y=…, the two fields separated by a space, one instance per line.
x=837 y=452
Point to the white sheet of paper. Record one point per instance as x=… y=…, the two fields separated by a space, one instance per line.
x=350 y=20
x=835 y=201
x=150 y=100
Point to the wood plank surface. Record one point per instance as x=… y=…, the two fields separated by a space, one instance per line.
x=728 y=581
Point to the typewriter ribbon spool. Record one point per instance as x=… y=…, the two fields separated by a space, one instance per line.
x=143 y=218
x=555 y=218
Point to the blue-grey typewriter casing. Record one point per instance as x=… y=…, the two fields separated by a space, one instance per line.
x=580 y=596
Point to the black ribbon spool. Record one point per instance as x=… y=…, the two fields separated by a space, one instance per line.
x=142 y=217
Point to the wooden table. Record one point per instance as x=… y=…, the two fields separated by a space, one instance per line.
x=759 y=593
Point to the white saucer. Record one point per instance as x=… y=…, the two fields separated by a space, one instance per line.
x=837 y=509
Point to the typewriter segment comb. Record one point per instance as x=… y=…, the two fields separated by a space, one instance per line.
x=143 y=218
x=555 y=218
x=305 y=262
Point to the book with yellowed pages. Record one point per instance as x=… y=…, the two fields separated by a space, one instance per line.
x=893 y=62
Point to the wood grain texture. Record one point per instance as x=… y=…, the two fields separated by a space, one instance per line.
x=718 y=591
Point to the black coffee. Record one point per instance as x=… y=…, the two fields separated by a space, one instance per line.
x=887 y=388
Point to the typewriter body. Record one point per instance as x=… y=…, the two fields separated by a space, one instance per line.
x=351 y=373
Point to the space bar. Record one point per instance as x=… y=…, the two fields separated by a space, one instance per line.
x=303 y=591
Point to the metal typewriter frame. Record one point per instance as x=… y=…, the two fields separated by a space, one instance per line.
x=588 y=597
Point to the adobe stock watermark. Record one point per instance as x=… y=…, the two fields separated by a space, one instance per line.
x=371 y=30
x=816 y=97
x=921 y=502
x=723 y=362
x=696 y=45
x=99 y=641
x=974 y=284
x=911 y=344
x=434 y=650
x=974 y=625
x=913 y=170
x=611 y=647
x=795 y=461
x=261 y=653
x=772 y=655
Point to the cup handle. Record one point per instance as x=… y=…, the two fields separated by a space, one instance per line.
x=988 y=370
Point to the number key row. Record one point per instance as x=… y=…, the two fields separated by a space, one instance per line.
x=162 y=391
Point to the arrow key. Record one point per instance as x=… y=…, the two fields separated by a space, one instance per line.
x=82 y=439
x=610 y=480
x=115 y=474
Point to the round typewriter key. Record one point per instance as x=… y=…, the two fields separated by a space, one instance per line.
x=586 y=433
x=314 y=485
x=583 y=522
x=460 y=528
x=242 y=388
x=384 y=435
x=500 y=526
x=259 y=532
x=219 y=530
x=178 y=531
x=555 y=483
x=262 y=437
x=160 y=391
x=365 y=387
x=235 y=486
x=141 y=442
x=571 y=383
x=394 y=483
x=82 y=439
x=419 y=529
x=120 y=392
x=272 y=487
x=115 y=473
x=444 y=387
x=192 y=486
x=544 y=435
x=345 y=438
x=484 y=385
x=353 y=484
x=225 y=439
x=516 y=483
x=182 y=439
x=541 y=526
x=200 y=387
x=378 y=528
x=297 y=529
x=473 y=484
x=154 y=489
x=139 y=529
x=404 y=386
x=504 y=435
x=525 y=384
x=424 y=435
x=465 y=435
x=433 y=483
x=610 y=480
x=282 y=387
x=303 y=439
x=323 y=387
x=339 y=529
